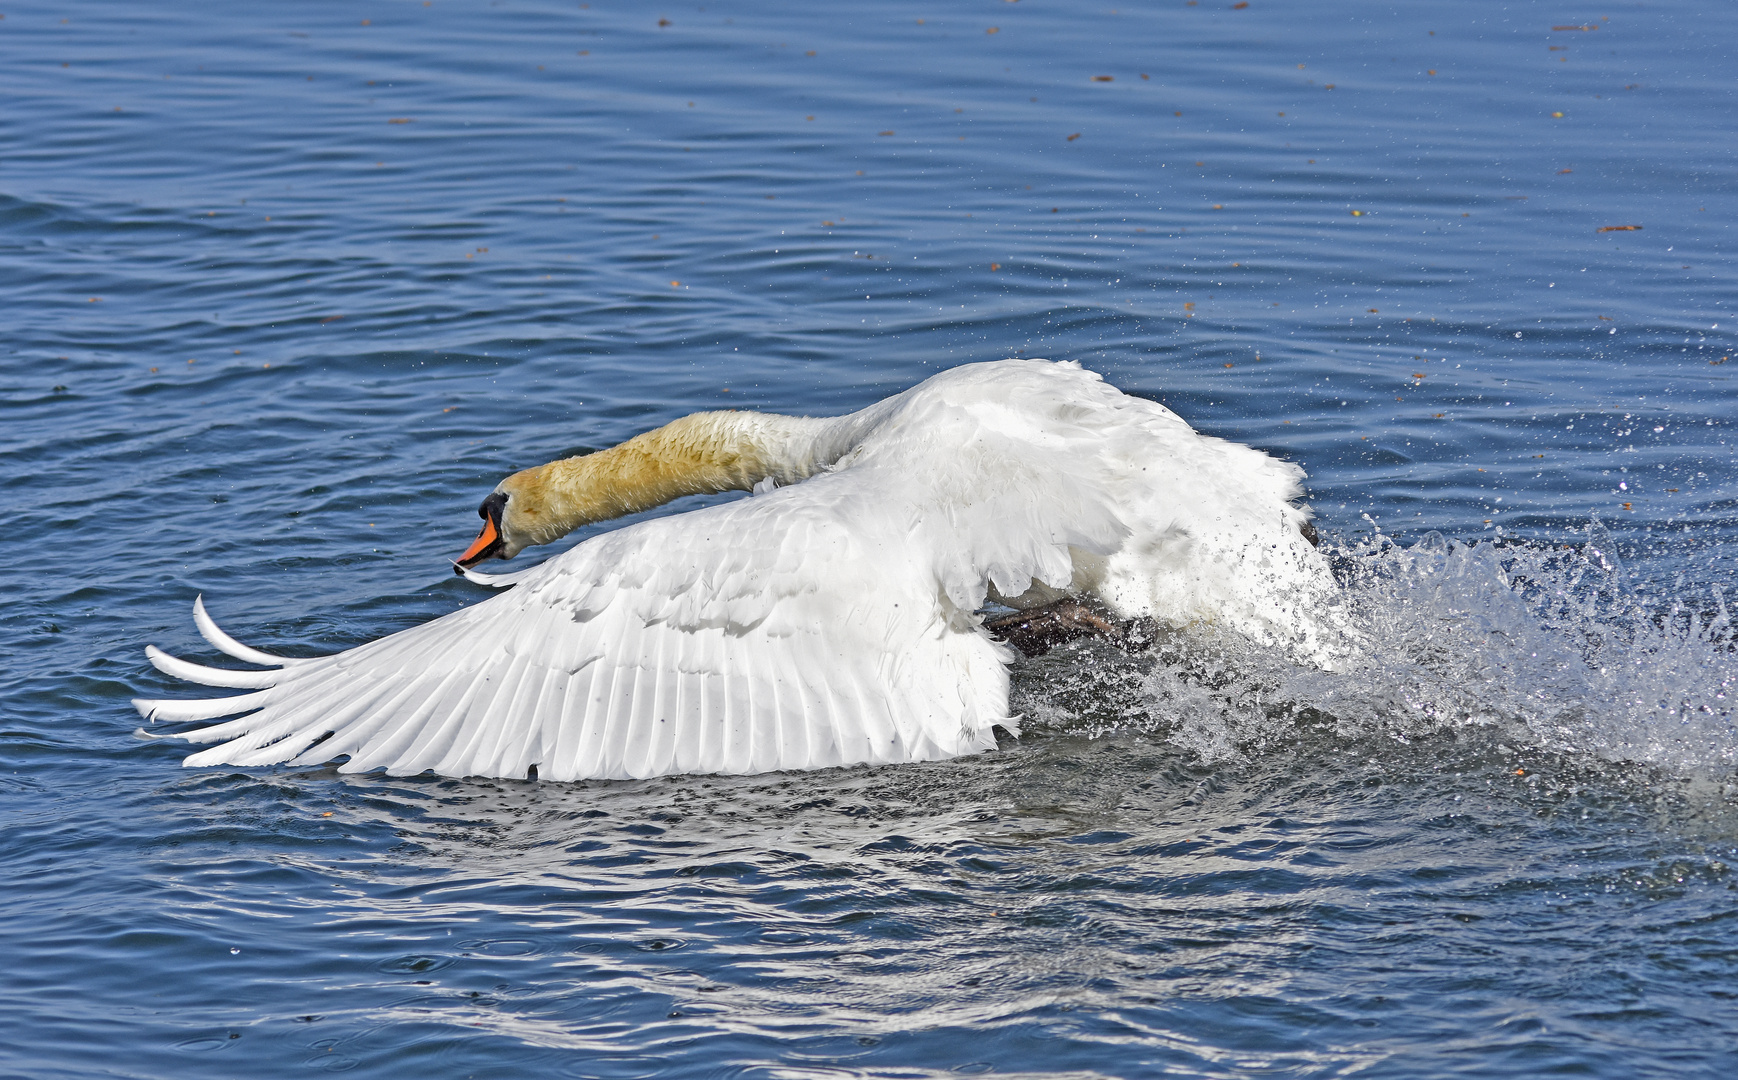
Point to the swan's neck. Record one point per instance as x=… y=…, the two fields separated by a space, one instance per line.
x=696 y=455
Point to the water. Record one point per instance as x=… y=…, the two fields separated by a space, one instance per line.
x=289 y=289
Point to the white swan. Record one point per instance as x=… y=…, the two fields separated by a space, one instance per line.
x=827 y=620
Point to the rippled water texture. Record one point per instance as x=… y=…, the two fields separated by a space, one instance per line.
x=289 y=287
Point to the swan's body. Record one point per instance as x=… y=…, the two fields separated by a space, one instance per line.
x=827 y=620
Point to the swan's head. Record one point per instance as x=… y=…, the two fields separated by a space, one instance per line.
x=515 y=517
x=491 y=543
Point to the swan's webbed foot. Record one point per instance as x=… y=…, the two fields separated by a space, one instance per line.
x=1035 y=631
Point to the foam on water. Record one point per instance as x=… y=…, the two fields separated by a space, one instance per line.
x=1550 y=646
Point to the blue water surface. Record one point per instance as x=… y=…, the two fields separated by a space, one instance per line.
x=290 y=287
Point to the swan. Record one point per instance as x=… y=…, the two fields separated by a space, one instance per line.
x=833 y=617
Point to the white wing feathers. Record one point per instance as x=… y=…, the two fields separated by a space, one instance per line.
x=825 y=623
x=759 y=635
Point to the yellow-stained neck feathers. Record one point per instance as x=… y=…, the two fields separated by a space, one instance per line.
x=700 y=454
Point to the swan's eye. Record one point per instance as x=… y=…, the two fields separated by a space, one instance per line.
x=493 y=507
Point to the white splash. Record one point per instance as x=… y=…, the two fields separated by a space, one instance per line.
x=1547 y=645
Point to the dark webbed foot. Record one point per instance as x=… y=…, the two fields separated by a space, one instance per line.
x=1036 y=631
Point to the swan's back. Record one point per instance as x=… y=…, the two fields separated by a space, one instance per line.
x=1012 y=458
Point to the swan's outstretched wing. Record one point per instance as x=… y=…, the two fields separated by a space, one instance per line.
x=792 y=630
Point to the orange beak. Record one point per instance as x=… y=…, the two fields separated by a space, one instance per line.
x=488 y=543
x=479 y=549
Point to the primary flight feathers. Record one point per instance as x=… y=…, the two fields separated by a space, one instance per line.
x=826 y=620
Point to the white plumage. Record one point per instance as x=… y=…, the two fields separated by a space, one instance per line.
x=826 y=622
